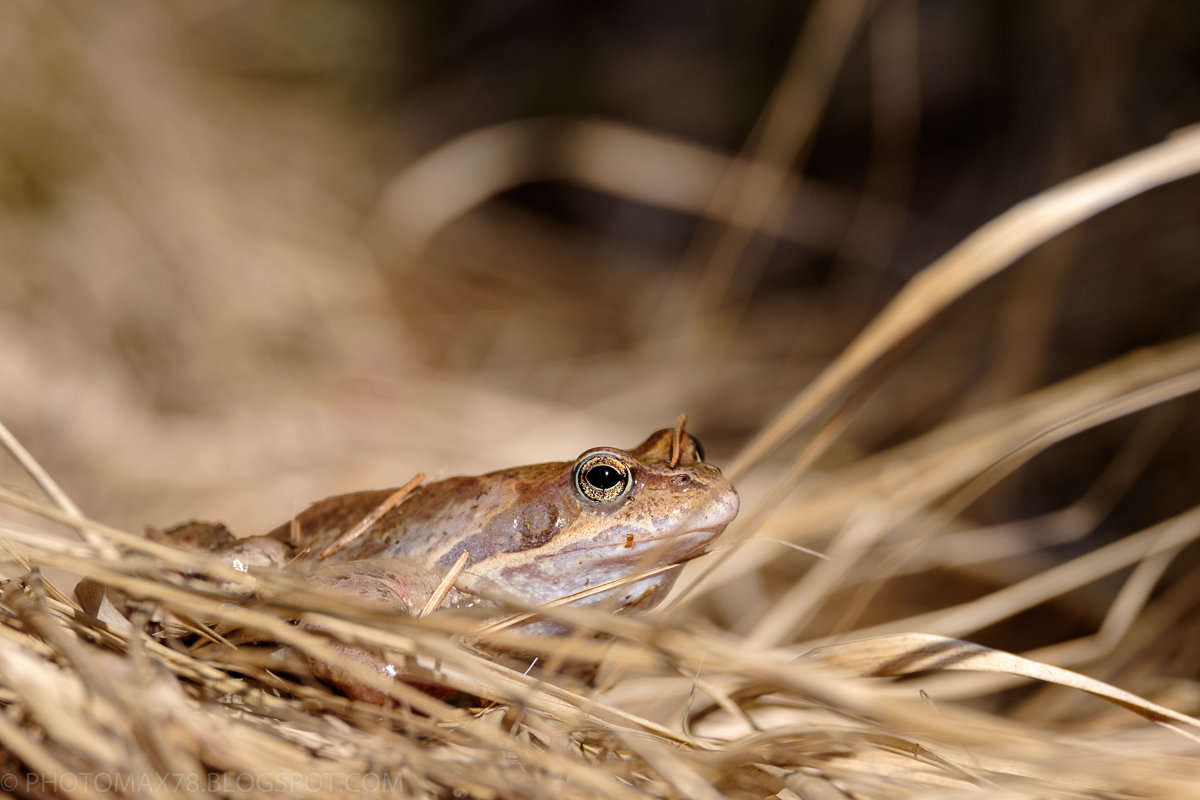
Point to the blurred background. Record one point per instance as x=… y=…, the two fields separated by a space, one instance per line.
x=255 y=254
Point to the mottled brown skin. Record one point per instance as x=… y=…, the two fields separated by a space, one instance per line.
x=531 y=532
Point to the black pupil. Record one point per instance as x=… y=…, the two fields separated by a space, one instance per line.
x=603 y=477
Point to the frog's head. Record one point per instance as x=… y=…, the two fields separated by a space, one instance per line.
x=564 y=527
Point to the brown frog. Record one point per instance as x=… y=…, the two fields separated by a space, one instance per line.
x=536 y=533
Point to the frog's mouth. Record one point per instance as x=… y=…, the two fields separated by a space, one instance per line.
x=687 y=538
x=677 y=546
x=634 y=549
x=631 y=566
x=653 y=561
x=631 y=545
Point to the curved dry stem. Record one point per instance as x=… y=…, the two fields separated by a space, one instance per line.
x=981 y=255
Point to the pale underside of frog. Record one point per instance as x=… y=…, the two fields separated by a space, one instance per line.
x=536 y=534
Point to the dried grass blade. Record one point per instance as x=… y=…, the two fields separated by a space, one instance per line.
x=908 y=653
x=984 y=253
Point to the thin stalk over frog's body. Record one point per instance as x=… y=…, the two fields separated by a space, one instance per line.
x=537 y=533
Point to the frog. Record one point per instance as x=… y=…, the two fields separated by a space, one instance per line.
x=536 y=534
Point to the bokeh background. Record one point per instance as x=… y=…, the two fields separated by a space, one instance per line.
x=255 y=254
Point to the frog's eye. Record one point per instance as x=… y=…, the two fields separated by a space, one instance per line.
x=602 y=477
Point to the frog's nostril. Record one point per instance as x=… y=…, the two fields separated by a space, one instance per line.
x=681 y=480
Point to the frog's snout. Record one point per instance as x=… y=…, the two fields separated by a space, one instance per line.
x=723 y=510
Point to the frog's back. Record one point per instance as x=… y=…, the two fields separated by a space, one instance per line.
x=429 y=526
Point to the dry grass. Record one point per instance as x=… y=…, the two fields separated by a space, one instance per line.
x=207 y=318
